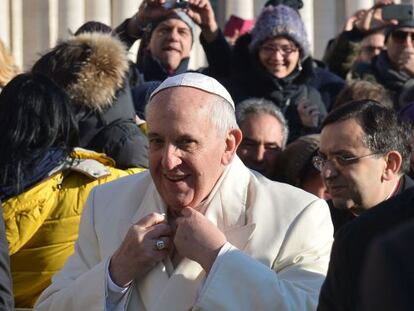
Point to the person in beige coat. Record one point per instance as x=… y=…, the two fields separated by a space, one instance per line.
x=199 y=231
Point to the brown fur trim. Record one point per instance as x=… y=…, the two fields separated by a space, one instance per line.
x=103 y=72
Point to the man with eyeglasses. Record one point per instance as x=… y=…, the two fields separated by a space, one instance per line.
x=364 y=155
x=394 y=66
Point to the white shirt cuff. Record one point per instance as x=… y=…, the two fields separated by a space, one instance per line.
x=115 y=292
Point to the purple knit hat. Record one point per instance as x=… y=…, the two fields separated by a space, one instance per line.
x=280 y=20
x=407 y=113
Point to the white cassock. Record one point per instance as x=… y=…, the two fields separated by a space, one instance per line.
x=281 y=239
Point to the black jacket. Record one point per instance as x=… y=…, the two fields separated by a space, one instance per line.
x=93 y=69
x=341 y=287
x=327 y=83
x=341 y=217
x=381 y=71
x=389 y=262
x=114 y=132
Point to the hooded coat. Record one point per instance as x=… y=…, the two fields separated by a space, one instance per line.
x=93 y=70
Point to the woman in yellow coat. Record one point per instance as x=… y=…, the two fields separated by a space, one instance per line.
x=44 y=181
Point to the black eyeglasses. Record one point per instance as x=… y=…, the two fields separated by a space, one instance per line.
x=282 y=49
x=319 y=161
x=401 y=36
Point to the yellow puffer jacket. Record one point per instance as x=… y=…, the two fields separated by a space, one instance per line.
x=42 y=222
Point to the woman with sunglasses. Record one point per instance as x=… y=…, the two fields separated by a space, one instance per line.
x=274 y=62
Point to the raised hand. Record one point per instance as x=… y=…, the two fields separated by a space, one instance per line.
x=309 y=113
x=197 y=238
x=138 y=252
x=201 y=12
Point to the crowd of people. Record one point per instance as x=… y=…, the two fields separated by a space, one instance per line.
x=266 y=180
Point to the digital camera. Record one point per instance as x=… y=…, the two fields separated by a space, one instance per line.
x=175 y=4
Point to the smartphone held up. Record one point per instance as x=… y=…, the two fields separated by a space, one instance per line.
x=400 y=12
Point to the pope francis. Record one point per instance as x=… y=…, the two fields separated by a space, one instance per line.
x=199 y=230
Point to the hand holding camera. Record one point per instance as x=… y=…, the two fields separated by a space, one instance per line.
x=371 y=19
x=200 y=11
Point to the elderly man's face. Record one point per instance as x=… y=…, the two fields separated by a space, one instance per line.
x=262 y=142
x=171 y=42
x=398 y=42
x=187 y=155
x=351 y=184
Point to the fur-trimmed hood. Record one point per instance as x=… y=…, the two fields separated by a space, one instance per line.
x=91 y=67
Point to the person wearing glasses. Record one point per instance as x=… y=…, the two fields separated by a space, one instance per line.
x=273 y=62
x=363 y=157
x=394 y=66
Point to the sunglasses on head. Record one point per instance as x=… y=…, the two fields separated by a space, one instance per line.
x=401 y=36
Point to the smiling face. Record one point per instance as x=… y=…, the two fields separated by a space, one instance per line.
x=187 y=155
x=279 y=56
x=171 y=42
x=359 y=184
x=262 y=142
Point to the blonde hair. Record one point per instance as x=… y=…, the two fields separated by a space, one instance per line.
x=8 y=68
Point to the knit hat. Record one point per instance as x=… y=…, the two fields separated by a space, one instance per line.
x=280 y=20
x=297 y=157
x=407 y=113
x=178 y=14
x=198 y=81
x=294 y=4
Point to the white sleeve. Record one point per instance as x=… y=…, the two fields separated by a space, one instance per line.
x=116 y=294
x=82 y=282
x=240 y=282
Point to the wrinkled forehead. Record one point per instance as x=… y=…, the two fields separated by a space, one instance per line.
x=173 y=22
x=342 y=135
x=180 y=98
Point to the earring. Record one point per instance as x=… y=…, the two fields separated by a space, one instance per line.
x=300 y=66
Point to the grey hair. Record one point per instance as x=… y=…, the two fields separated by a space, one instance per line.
x=221 y=114
x=259 y=106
